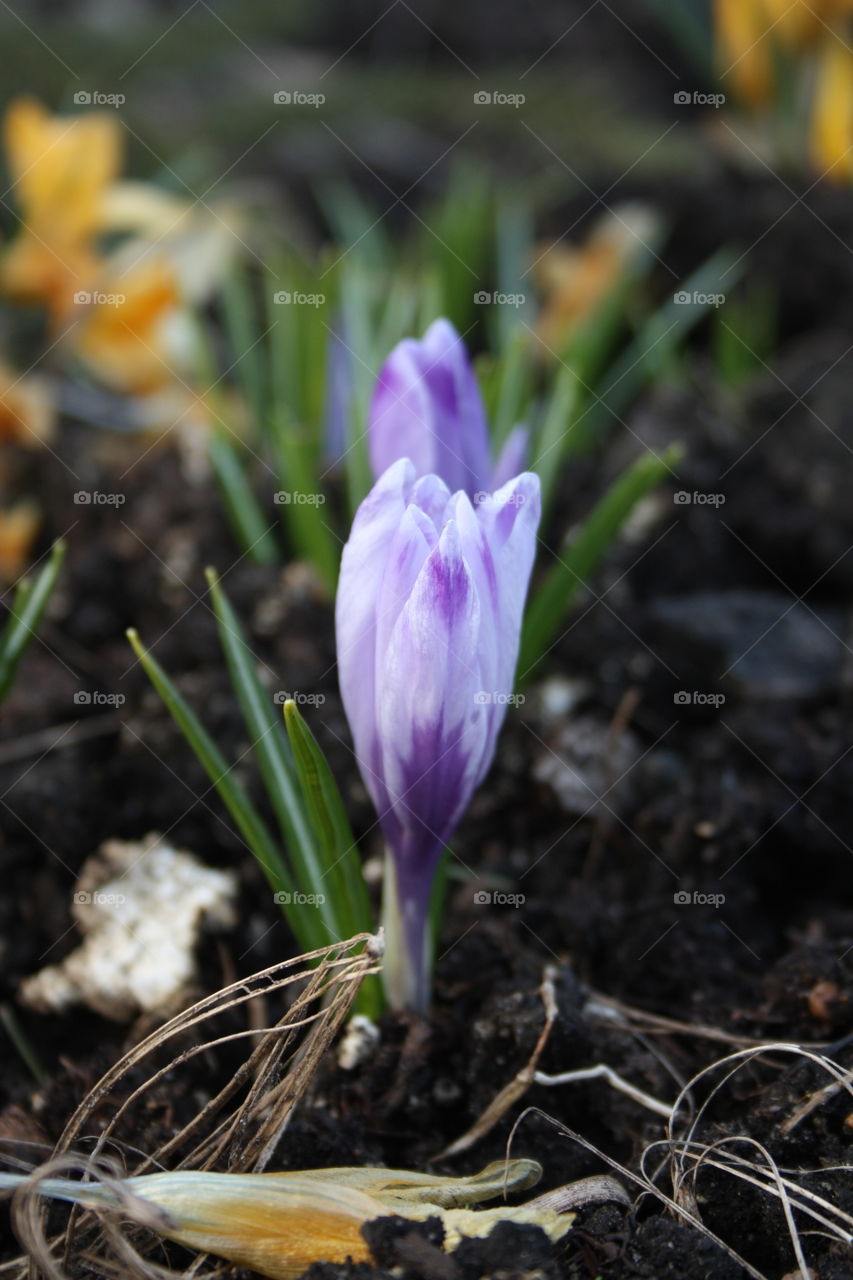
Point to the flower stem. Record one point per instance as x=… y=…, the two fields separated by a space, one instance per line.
x=407 y=972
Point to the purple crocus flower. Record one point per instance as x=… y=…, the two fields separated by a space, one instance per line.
x=428 y=615
x=427 y=407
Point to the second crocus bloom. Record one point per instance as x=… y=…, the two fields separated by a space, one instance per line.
x=427 y=407
x=428 y=616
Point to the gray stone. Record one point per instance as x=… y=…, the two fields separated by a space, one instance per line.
x=755 y=644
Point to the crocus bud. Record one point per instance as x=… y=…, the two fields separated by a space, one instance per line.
x=427 y=407
x=428 y=616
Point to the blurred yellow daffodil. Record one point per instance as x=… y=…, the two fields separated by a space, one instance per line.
x=19 y=526
x=758 y=42
x=125 y=314
x=750 y=34
x=832 y=117
x=576 y=280
x=61 y=168
x=743 y=53
x=27 y=411
x=135 y=336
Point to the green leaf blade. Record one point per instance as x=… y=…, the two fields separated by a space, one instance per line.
x=339 y=851
x=28 y=606
x=246 y=818
x=269 y=746
x=576 y=563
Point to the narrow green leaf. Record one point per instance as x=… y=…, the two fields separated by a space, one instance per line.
x=246 y=356
x=430 y=301
x=28 y=606
x=577 y=561
x=328 y=816
x=21 y=1042
x=689 y=25
x=343 y=876
x=301 y=498
x=744 y=335
x=354 y=223
x=591 y=345
x=297 y=352
x=657 y=340
x=315 y=333
x=438 y=897
x=400 y=315
x=513 y=386
x=360 y=338
x=282 y=342
x=457 y=240
x=245 y=515
x=556 y=435
x=246 y=818
x=269 y=746
x=248 y=521
x=514 y=237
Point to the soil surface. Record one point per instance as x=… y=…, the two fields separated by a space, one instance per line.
x=672 y=801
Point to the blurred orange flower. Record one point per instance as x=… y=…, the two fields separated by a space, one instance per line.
x=126 y=332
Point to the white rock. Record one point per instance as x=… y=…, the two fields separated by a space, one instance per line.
x=587 y=768
x=559 y=696
x=359 y=1041
x=140 y=906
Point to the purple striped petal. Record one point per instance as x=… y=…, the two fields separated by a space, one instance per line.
x=427 y=406
x=363 y=566
x=512 y=457
x=430 y=728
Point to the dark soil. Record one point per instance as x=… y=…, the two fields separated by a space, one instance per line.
x=749 y=798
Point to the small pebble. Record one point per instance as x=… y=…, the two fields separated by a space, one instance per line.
x=359 y=1041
